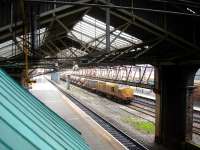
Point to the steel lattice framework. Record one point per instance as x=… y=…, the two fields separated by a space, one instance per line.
x=96 y=33
x=139 y=75
x=117 y=34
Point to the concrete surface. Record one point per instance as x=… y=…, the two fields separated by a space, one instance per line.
x=95 y=136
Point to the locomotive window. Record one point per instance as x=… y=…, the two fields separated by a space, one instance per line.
x=112 y=89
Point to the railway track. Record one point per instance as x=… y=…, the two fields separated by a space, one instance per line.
x=127 y=141
x=196 y=127
x=143 y=106
x=147 y=107
x=144 y=101
x=142 y=109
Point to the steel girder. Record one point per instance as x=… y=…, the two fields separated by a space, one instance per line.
x=138 y=75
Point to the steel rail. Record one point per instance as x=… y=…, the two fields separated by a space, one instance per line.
x=127 y=141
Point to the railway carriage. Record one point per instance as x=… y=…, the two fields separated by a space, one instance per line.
x=92 y=84
x=121 y=93
x=101 y=86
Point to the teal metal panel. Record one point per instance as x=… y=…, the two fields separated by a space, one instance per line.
x=26 y=123
x=4 y=146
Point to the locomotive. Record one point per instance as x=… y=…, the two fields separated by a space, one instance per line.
x=119 y=93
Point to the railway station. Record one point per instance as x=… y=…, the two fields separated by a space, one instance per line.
x=100 y=74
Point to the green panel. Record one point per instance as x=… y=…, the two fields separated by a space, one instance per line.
x=13 y=138
x=3 y=146
x=32 y=124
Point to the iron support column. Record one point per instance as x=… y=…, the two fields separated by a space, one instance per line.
x=189 y=113
x=157 y=94
x=33 y=26
x=171 y=104
x=108 y=28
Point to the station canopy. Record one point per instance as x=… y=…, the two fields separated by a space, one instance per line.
x=78 y=31
x=13 y=48
x=88 y=30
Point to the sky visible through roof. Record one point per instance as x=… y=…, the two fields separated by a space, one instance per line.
x=87 y=31
x=9 y=48
x=92 y=31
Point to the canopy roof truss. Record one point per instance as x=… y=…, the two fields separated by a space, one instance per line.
x=145 y=32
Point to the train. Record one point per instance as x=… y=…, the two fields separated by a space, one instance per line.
x=119 y=93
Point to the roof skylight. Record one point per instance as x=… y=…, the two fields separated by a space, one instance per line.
x=9 y=48
x=71 y=52
x=92 y=31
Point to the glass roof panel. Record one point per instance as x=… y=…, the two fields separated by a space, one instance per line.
x=98 y=45
x=88 y=29
x=92 y=31
x=9 y=48
x=40 y=33
x=80 y=36
x=78 y=52
x=9 y=51
x=5 y=44
x=71 y=52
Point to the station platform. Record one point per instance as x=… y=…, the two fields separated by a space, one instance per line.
x=144 y=95
x=113 y=112
x=96 y=137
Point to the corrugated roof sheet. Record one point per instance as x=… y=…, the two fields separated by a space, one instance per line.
x=27 y=124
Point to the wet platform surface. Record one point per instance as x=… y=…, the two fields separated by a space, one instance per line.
x=95 y=136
